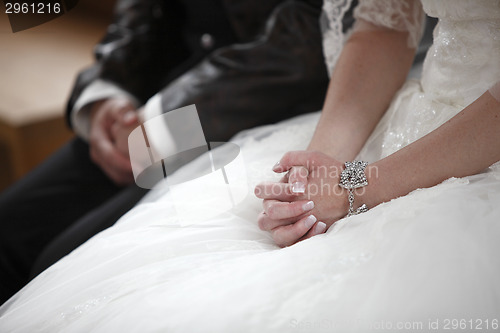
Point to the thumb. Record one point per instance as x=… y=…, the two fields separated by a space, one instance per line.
x=306 y=159
x=297 y=177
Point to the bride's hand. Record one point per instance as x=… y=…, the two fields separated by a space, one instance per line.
x=287 y=221
x=291 y=215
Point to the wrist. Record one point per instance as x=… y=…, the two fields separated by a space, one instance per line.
x=383 y=184
x=340 y=153
x=369 y=194
x=352 y=178
x=362 y=185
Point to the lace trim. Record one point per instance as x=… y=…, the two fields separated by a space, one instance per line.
x=401 y=15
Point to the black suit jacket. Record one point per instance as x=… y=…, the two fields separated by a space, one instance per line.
x=242 y=62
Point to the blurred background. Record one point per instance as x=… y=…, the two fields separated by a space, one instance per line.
x=38 y=67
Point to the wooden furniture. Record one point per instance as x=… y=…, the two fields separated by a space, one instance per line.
x=38 y=67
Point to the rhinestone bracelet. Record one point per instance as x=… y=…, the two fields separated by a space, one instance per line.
x=352 y=177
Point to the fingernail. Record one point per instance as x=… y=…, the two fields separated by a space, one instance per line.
x=308 y=206
x=320 y=227
x=276 y=166
x=298 y=187
x=309 y=221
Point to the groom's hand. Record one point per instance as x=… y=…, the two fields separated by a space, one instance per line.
x=111 y=121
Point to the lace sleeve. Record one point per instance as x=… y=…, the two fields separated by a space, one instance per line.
x=401 y=15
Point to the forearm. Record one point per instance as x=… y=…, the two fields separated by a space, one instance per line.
x=372 y=67
x=465 y=145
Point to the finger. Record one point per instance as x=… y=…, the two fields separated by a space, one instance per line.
x=115 y=131
x=317 y=229
x=277 y=191
x=266 y=223
x=284 y=179
x=129 y=118
x=122 y=104
x=297 y=176
x=292 y=233
x=278 y=210
x=103 y=152
x=101 y=139
x=118 y=108
x=114 y=158
x=306 y=159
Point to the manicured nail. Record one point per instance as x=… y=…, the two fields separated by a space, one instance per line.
x=309 y=221
x=308 y=206
x=320 y=227
x=276 y=167
x=298 y=187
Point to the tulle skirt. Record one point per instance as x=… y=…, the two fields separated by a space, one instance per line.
x=423 y=261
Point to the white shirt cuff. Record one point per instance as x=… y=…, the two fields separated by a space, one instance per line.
x=97 y=90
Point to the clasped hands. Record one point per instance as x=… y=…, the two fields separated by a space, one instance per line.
x=306 y=201
x=111 y=122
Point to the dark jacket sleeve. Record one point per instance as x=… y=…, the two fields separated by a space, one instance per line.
x=141 y=46
x=278 y=75
x=276 y=71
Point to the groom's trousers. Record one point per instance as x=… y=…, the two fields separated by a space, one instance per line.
x=56 y=207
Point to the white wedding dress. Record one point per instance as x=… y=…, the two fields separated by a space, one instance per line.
x=419 y=261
